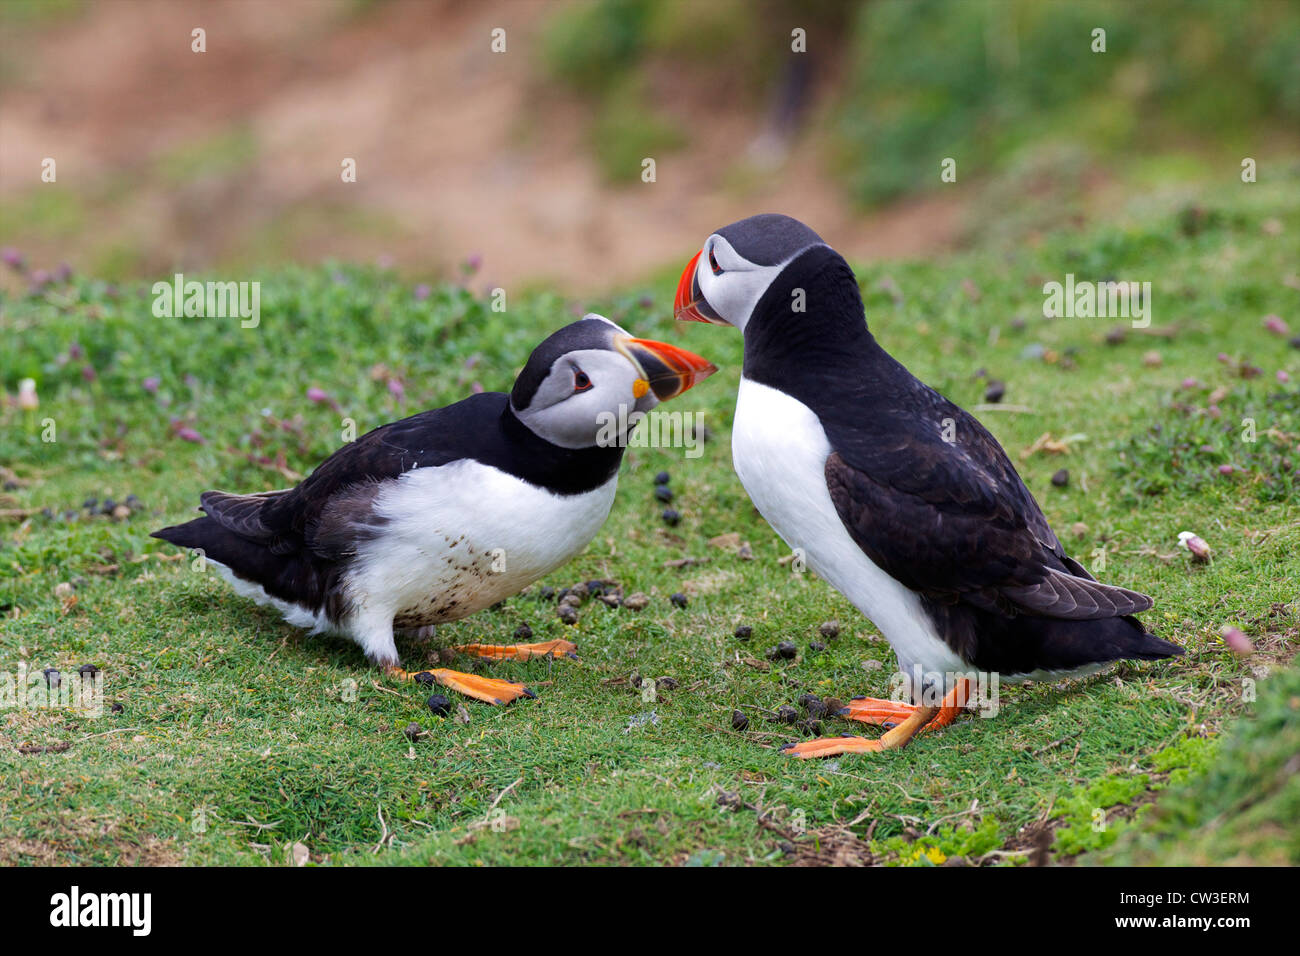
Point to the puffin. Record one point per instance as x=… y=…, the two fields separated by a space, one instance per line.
x=432 y=518
x=898 y=498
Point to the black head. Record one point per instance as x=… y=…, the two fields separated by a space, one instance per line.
x=729 y=276
x=584 y=375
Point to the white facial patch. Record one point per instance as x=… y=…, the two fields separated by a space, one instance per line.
x=734 y=292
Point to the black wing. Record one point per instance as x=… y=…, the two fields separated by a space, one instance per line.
x=330 y=508
x=954 y=521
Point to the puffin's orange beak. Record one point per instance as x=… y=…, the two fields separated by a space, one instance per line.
x=687 y=302
x=666 y=369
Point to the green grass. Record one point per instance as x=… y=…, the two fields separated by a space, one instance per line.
x=233 y=718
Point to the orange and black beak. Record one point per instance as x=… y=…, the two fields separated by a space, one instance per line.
x=690 y=305
x=665 y=369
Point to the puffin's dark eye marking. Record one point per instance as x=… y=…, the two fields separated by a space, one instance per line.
x=713 y=264
x=580 y=381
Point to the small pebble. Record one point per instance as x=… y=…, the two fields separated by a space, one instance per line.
x=679 y=599
x=786 y=714
x=1061 y=478
x=439 y=704
x=671 y=517
x=829 y=629
x=738 y=720
x=743 y=632
x=635 y=602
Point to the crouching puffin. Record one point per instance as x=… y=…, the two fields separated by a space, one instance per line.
x=442 y=514
x=896 y=496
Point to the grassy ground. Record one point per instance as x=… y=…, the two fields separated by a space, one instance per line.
x=238 y=738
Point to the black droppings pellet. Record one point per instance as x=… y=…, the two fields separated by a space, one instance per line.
x=1061 y=478
x=671 y=517
x=87 y=670
x=663 y=493
x=90 y=504
x=425 y=678
x=829 y=629
x=567 y=613
x=816 y=646
x=739 y=721
x=662 y=478
x=52 y=677
x=744 y=632
x=523 y=634
x=116 y=709
x=995 y=391
x=596 y=588
x=412 y=731
x=667 y=683
x=787 y=714
x=679 y=599
x=547 y=594
x=787 y=650
x=439 y=704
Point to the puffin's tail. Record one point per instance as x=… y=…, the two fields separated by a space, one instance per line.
x=1057 y=644
x=247 y=559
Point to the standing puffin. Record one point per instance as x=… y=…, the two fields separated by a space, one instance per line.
x=442 y=514
x=896 y=496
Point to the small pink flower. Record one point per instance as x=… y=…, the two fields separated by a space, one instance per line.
x=151 y=384
x=473 y=263
x=1224 y=357
x=1226 y=469
x=1283 y=376
x=12 y=258
x=1275 y=324
x=395 y=389
x=1214 y=411
x=476 y=388
x=75 y=351
x=317 y=395
x=189 y=434
x=1191 y=383
x=422 y=292
x=1236 y=640
x=88 y=373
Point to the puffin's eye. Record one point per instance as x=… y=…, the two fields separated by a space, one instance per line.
x=580 y=381
x=713 y=264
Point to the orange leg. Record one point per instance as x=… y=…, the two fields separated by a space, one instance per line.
x=520 y=652
x=892 y=713
x=490 y=690
x=913 y=720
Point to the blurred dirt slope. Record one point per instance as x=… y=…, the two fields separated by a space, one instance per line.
x=169 y=159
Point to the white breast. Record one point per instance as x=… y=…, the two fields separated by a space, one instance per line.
x=779 y=449
x=463 y=536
